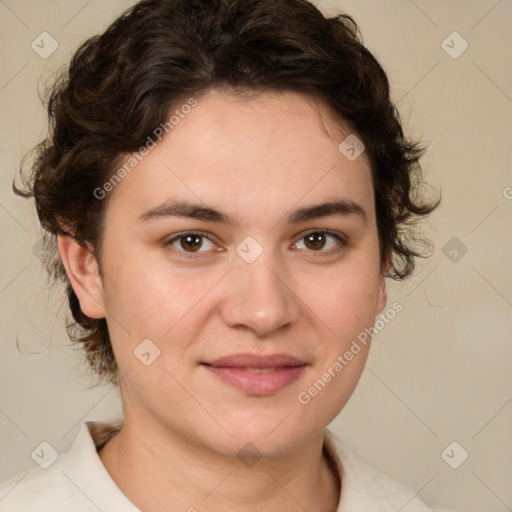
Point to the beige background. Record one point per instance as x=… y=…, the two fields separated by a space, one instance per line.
x=439 y=372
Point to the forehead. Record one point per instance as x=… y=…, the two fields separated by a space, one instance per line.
x=249 y=157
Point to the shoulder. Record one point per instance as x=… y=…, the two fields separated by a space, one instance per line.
x=76 y=481
x=33 y=489
x=364 y=488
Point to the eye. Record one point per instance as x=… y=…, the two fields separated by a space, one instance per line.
x=317 y=240
x=188 y=243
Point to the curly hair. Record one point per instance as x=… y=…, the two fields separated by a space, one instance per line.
x=122 y=84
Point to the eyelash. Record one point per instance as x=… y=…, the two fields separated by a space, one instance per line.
x=342 y=242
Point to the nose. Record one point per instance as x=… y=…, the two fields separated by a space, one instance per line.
x=260 y=296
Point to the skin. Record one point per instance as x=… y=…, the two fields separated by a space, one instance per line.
x=257 y=159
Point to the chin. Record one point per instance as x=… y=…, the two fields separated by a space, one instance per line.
x=271 y=433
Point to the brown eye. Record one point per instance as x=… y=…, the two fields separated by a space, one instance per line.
x=188 y=243
x=316 y=241
x=192 y=242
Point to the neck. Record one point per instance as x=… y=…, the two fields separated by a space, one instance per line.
x=181 y=476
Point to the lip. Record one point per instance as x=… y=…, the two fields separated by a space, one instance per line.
x=255 y=361
x=257 y=374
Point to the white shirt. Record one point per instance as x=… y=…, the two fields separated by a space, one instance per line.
x=78 y=482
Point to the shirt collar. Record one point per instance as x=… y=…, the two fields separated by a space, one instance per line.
x=86 y=471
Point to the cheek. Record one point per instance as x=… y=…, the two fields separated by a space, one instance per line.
x=344 y=308
x=165 y=305
x=151 y=298
x=345 y=300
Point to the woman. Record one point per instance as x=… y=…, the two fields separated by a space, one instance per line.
x=229 y=187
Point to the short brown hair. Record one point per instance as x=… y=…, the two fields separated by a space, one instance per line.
x=123 y=84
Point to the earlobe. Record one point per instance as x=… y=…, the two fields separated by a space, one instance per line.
x=83 y=273
x=383 y=297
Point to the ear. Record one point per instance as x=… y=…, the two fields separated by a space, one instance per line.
x=83 y=273
x=382 y=295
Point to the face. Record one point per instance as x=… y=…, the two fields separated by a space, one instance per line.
x=249 y=296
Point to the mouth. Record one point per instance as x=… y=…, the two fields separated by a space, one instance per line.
x=257 y=375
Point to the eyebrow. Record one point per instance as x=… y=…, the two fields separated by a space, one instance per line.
x=176 y=208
